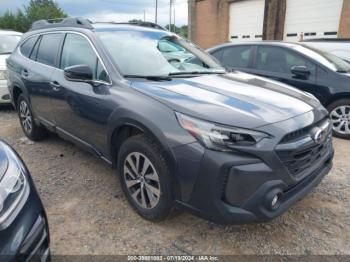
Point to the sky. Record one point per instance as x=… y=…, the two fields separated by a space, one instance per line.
x=113 y=10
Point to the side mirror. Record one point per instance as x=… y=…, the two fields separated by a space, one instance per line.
x=300 y=72
x=79 y=73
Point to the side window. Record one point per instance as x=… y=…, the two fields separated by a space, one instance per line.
x=78 y=51
x=27 y=46
x=272 y=59
x=218 y=54
x=296 y=60
x=34 y=53
x=48 y=49
x=238 y=56
x=279 y=60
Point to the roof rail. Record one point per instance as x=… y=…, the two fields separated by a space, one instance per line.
x=137 y=23
x=62 y=22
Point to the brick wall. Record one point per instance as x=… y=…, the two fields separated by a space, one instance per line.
x=211 y=26
x=209 y=21
x=274 y=17
x=344 y=26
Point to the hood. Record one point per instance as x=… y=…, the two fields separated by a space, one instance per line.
x=3 y=61
x=3 y=161
x=235 y=99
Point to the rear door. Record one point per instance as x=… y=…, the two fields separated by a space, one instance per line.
x=276 y=62
x=37 y=74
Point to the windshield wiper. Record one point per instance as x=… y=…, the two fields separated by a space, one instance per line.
x=196 y=73
x=155 y=78
x=5 y=53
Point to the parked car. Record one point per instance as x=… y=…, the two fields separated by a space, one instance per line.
x=8 y=42
x=24 y=232
x=324 y=75
x=335 y=46
x=230 y=147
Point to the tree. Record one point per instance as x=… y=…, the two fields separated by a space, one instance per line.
x=43 y=9
x=36 y=10
x=183 y=30
x=8 y=21
x=135 y=21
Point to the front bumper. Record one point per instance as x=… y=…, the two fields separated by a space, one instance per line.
x=238 y=187
x=24 y=236
x=4 y=93
x=27 y=237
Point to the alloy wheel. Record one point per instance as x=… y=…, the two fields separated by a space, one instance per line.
x=340 y=117
x=26 y=117
x=142 y=180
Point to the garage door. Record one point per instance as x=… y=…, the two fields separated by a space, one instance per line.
x=246 y=20
x=313 y=18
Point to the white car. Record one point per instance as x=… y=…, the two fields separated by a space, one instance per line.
x=8 y=42
x=338 y=47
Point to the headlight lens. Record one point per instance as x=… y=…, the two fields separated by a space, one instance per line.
x=3 y=75
x=219 y=137
x=13 y=186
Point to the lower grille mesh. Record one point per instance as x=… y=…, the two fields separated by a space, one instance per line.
x=298 y=161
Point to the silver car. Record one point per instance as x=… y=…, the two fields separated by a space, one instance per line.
x=8 y=42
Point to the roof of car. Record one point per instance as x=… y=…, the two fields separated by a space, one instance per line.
x=9 y=32
x=275 y=43
x=76 y=22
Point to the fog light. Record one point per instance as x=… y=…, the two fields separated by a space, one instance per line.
x=274 y=202
x=273 y=199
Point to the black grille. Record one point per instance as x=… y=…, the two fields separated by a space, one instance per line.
x=299 y=160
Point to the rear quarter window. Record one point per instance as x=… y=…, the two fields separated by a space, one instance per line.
x=48 y=49
x=27 y=47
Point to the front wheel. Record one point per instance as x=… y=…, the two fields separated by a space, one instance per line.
x=339 y=112
x=145 y=178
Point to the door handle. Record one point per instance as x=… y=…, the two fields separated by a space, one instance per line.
x=24 y=73
x=55 y=86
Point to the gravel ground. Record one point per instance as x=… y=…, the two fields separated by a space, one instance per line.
x=88 y=213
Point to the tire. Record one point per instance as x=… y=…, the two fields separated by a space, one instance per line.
x=156 y=206
x=339 y=112
x=33 y=131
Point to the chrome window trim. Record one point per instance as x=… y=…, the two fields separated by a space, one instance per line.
x=68 y=32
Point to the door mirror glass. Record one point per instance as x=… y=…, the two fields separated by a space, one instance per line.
x=79 y=73
x=300 y=71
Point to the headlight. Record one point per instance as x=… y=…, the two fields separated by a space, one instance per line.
x=3 y=75
x=14 y=188
x=219 y=137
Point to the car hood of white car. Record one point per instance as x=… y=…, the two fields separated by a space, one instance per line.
x=3 y=61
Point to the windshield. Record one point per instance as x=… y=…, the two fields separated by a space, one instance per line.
x=327 y=59
x=155 y=53
x=8 y=43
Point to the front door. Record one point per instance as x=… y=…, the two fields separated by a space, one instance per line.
x=276 y=63
x=81 y=109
